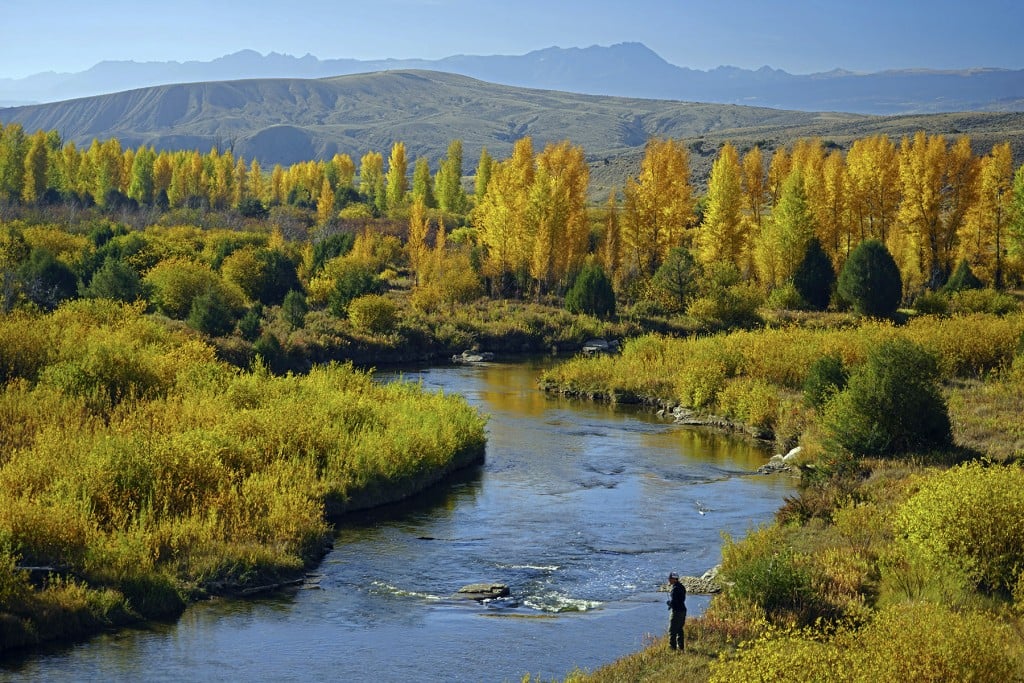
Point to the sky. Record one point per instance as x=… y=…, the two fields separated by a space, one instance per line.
x=798 y=36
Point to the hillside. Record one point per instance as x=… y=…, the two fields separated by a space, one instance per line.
x=289 y=120
x=621 y=70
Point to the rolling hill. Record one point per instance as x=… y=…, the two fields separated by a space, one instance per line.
x=621 y=70
x=289 y=120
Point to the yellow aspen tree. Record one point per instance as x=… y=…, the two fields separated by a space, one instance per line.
x=240 y=184
x=163 y=170
x=36 y=161
x=721 y=238
x=755 y=186
x=982 y=240
x=397 y=178
x=483 y=174
x=501 y=217
x=341 y=171
x=808 y=157
x=440 y=237
x=755 y=201
x=256 y=182
x=833 y=225
x=106 y=168
x=325 y=203
x=221 y=179
x=922 y=165
x=371 y=179
x=69 y=162
x=558 y=213
x=786 y=234
x=939 y=185
x=423 y=183
x=874 y=188
x=13 y=146
x=961 y=192
x=141 y=188
x=611 y=251
x=778 y=170
x=451 y=197
x=657 y=206
x=277 y=191
x=127 y=162
x=416 y=245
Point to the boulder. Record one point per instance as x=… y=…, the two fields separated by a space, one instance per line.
x=482 y=591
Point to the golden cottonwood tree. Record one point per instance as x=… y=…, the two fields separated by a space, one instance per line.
x=983 y=233
x=325 y=203
x=721 y=237
x=416 y=245
x=397 y=178
x=786 y=234
x=657 y=206
x=832 y=211
x=938 y=184
x=501 y=217
x=611 y=252
x=557 y=213
x=423 y=183
x=483 y=174
x=778 y=170
x=36 y=161
x=873 y=167
x=371 y=179
x=448 y=183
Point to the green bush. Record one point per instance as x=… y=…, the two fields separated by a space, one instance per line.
x=373 y=313
x=354 y=278
x=591 y=293
x=786 y=297
x=115 y=280
x=677 y=277
x=211 y=313
x=814 y=277
x=963 y=278
x=891 y=404
x=982 y=301
x=764 y=571
x=826 y=377
x=870 y=280
x=294 y=308
x=46 y=281
x=931 y=303
x=249 y=325
x=970 y=517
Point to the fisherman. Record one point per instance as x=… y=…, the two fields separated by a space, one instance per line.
x=677 y=613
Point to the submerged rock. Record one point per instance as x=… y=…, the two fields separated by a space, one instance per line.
x=482 y=591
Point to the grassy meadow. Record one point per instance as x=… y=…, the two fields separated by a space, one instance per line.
x=143 y=472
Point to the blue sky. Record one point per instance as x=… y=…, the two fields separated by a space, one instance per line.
x=799 y=36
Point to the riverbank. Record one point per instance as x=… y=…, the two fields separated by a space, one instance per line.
x=147 y=474
x=880 y=567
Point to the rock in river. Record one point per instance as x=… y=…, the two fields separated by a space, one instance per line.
x=482 y=591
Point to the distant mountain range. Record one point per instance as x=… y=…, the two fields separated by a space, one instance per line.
x=622 y=70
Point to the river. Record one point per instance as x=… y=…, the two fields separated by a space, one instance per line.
x=582 y=509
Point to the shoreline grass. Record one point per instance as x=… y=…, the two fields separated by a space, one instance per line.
x=147 y=473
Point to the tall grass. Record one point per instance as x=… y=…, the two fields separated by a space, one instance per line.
x=136 y=462
x=751 y=376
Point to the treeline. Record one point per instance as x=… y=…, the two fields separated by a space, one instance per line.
x=930 y=201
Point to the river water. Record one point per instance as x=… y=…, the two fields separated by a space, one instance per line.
x=581 y=509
